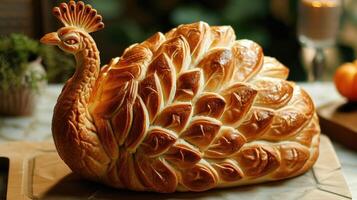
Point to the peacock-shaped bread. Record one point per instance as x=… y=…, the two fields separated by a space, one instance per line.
x=189 y=110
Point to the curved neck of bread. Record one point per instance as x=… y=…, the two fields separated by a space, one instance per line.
x=71 y=121
x=78 y=89
x=87 y=69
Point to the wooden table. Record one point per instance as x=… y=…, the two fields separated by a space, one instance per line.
x=38 y=126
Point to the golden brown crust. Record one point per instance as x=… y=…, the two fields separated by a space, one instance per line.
x=222 y=36
x=157 y=142
x=151 y=94
x=257 y=121
x=188 y=85
x=217 y=67
x=191 y=110
x=210 y=105
x=197 y=35
x=273 y=93
x=182 y=156
x=139 y=126
x=154 y=42
x=258 y=159
x=175 y=117
x=79 y=15
x=163 y=68
x=228 y=142
x=239 y=99
x=199 y=178
x=293 y=158
x=201 y=132
x=274 y=69
x=155 y=174
x=248 y=59
x=228 y=171
x=177 y=50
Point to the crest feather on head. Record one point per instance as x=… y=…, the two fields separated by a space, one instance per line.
x=79 y=15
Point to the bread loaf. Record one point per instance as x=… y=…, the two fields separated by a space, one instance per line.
x=188 y=110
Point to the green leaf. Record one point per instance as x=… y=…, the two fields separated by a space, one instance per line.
x=16 y=51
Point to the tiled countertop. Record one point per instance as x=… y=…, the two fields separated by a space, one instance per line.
x=38 y=127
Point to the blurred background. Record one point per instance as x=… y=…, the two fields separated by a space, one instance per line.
x=271 y=23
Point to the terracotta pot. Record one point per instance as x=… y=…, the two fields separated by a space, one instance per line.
x=21 y=100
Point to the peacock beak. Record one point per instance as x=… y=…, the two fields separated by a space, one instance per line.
x=50 y=39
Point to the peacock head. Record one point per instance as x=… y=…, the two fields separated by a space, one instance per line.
x=79 y=20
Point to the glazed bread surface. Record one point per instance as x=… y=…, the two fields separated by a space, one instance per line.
x=189 y=110
x=196 y=109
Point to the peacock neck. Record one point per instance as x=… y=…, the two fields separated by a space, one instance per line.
x=87 y=69
x=80 y=86
x=72 y=104
x=71 y=119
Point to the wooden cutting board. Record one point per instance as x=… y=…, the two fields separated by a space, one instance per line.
x=37 y=172
x=338 y=120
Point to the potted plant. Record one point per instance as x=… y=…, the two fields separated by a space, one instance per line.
x=22 y=75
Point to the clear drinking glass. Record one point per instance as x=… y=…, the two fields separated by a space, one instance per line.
x=318 y=24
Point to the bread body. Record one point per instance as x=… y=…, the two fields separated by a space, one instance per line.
x=191 y=110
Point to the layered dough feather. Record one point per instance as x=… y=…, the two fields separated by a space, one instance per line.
x=195 y=109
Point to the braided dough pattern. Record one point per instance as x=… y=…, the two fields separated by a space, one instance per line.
x=196 y=109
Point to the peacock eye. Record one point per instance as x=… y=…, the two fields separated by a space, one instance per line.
x=71 y=42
